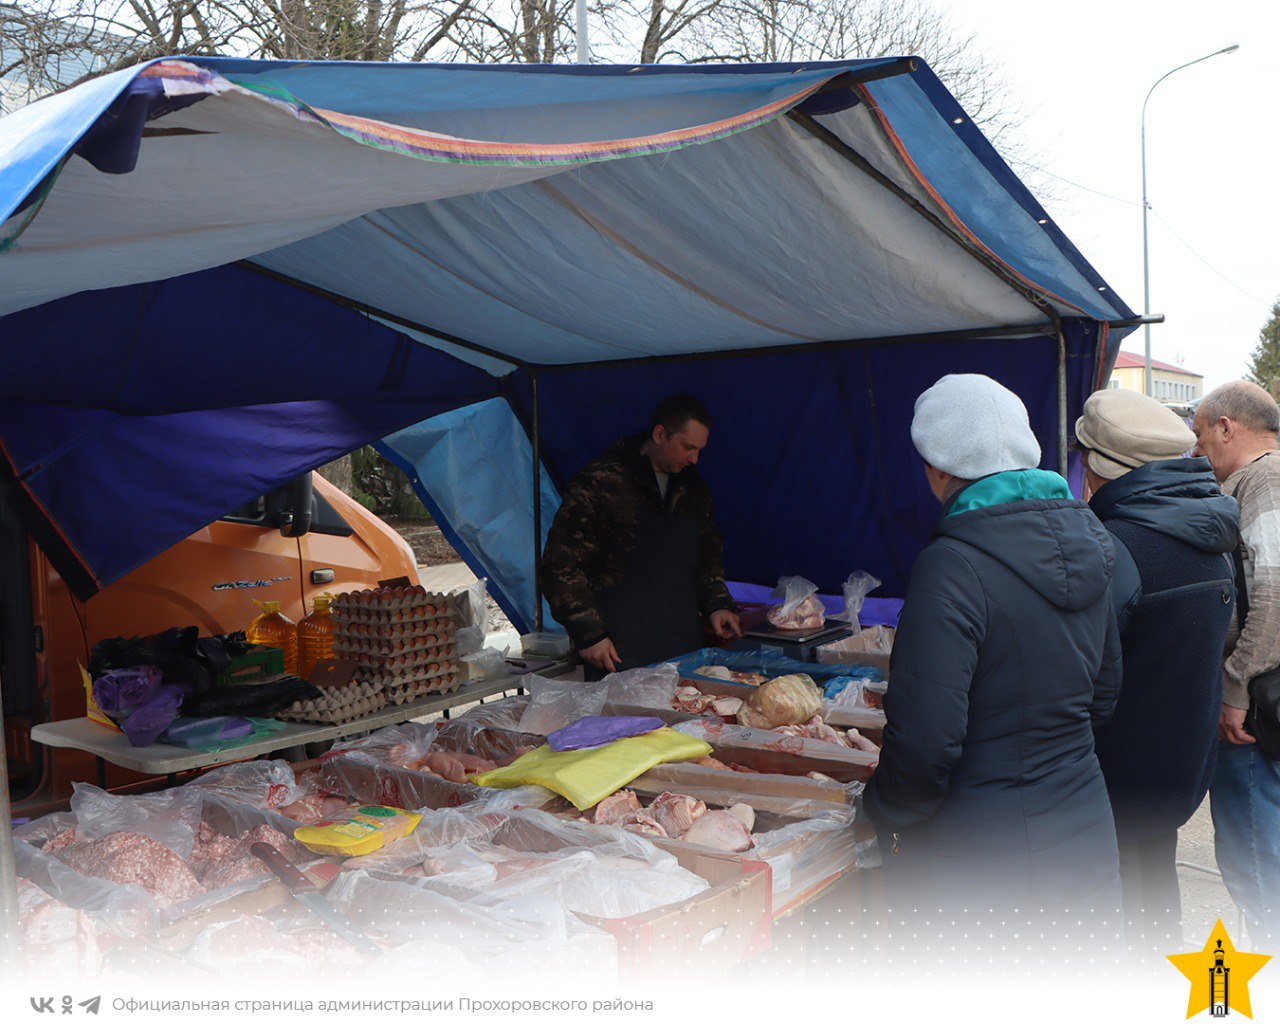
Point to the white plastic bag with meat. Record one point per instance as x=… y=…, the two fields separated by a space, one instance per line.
x=800 y=608
x=171 y=817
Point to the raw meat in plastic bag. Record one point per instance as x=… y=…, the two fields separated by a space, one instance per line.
x=787 y=700
x=800 y=608
x=171 y=816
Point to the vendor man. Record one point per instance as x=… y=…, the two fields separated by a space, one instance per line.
x=633 y=560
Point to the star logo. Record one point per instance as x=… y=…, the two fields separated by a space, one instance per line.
x=1219 y=975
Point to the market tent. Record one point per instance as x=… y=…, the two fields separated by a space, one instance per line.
x=215 y=273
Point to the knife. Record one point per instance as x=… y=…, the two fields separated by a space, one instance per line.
x=306 y=892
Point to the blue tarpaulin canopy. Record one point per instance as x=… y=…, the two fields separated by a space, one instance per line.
x=218 y=273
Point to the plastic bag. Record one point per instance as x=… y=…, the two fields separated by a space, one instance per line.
x=585 y=777
x=471 y=614
x=555 y=703
x=856 y=588
x=210 y=735
x=599 y=730
x=267 y=785
x=800 y=608
x=644 y=687
x=171 y=817
x=488 y=858
x=786 y=700
x=487 y=661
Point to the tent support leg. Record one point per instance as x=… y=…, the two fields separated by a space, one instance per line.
x=537 y=507
x=1062 y=399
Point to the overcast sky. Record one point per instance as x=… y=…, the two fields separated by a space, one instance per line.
x=1081 y=70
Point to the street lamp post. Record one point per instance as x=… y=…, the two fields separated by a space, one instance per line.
x=1146 y=261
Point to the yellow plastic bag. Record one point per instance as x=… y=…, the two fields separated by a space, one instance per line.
x=585 y=777
x=357 y=830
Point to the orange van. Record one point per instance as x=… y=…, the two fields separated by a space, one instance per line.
x=288 y=546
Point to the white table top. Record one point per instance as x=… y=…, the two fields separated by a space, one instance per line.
x=165 y=759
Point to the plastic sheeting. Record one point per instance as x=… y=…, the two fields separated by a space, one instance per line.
x=475 y=469
x=550 y=215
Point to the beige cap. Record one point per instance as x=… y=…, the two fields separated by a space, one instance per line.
x=1123 y=430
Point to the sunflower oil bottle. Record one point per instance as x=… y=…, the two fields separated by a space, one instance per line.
x=275 y=629
x=315 y=635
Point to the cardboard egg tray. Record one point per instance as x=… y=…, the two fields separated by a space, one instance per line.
x=377 y=615
x=428 y=661
x=406 y=692
x=404 y=676
x=338 y=704
x=357 y=647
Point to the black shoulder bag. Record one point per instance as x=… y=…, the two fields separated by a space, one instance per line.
x=1263 y=717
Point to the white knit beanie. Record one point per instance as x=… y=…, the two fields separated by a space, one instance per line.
x=970 y=426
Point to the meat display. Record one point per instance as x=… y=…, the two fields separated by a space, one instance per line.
x=55 y=938
x=453 y=766
x=720 y=830
x=817 y=729
x=130 y=858
x=678 y=816
x=613 y=808
x=729 y=675
x=676 y=813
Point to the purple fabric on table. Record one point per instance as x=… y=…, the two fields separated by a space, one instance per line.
x=123 y=689
x=597 y=730
x=144 y=724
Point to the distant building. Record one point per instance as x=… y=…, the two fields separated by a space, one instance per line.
x=1168 y=383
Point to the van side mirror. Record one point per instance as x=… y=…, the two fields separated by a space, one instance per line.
x=295 y=518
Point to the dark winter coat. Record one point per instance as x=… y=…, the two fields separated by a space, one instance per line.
x=1006 y=656
x=590 y=542
x=1174 y=594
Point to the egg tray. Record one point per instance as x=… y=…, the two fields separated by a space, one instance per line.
x=372 y=616
x=358 y=647
x=391 y=599
x=403 y=694
x=394 y=630
x=338 y=705
x=427 y=662
x=404 y=677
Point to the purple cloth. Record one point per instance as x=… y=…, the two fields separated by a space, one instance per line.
x=146 y=723
x=597 y=730
x=123 y=689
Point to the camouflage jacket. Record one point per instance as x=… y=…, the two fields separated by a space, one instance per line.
x=590 y=542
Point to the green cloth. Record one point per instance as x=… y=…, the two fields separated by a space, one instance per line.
x=1015 y=485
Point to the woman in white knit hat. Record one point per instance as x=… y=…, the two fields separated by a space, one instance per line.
x=988 y=800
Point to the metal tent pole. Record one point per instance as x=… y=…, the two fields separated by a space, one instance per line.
x=1062 y=401
x=537 y=507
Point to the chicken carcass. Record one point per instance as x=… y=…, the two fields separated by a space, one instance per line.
x=745 y=813
x=691 y=700
x=719 y=830
x=643 y=823
x=726 y=707
x=676 y=812
x=712 y=762
x=615 y=807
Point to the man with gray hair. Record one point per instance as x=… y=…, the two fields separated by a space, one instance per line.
x=1236 y=429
